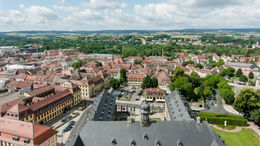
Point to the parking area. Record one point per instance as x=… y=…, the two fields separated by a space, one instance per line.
x=64 y=125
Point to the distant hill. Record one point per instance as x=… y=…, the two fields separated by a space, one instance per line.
x=141 y=31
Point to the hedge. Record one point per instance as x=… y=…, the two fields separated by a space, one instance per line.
x=219 y=115
x=221 y=118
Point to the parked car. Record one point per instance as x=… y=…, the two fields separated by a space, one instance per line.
x=68 y=128
x=67 y=118
x=72 y=123
x=140 y=93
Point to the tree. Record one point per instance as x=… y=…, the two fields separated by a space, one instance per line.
x=243 y=78
x=195 y=79
x=227 y=95
x=227 y=72
x=255 y=115
x=178 y=72
x=239 y=72
x=183 y=85
x=149 y=82
x=198 y=65
x=251 y=75
x=122 y=77
x=154 y=83
x=247 y=101
x=77 y=64
x=187 y=62
x=114 y=83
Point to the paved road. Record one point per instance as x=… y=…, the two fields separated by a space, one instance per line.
x=219 y=107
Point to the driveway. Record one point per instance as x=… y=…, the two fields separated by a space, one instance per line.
x=219 y=108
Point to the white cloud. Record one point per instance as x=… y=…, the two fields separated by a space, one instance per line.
x=66 y=8
x=38 y=12
x=62 y=1
x=110 y=14
x=21 y=6
x=104 y=4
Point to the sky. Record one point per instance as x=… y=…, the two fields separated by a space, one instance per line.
x=69 y=15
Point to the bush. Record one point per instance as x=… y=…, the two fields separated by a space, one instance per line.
x=221 y=118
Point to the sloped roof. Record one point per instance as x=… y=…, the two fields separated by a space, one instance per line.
x=40 y=90
x=168 y=133
x=177 y=110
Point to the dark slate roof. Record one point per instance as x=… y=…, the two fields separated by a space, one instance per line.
x=103 y=108
x=167 y=133
x=178 y=107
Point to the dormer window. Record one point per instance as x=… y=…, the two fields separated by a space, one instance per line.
x=26 y=140
x=113 y=141
x=133 y=143
x=157 y=143
x=16 y=138
x=179 y=143
x=146 y=137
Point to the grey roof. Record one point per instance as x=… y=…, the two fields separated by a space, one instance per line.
x=103 y=107
x=167 y=133
x=238 y=64
x=178 y=107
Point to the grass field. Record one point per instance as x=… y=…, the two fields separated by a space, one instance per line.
x=242 y=138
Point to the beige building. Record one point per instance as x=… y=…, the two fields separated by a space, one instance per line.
x=135 y=80
x=42 y=109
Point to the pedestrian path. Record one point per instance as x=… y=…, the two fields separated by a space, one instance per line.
x=252 y=126
x=237 y=129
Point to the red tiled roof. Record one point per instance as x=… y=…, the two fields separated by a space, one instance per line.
x=40 y=90
x=50 y=100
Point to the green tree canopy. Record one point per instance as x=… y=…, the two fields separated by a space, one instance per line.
x=239 y=72
x=195 y=79
x=228 y=72
x=178 y=72
x=251 y=75
x=255 y=115
x=122 y=77
x=227 y=95
x=183 y=85
x=243 y=78
x=247 y=101
x=114 y=83
x=149 y=82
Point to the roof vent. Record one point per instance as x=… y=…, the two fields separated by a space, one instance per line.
x=146 y=137
x=113 y=141
x=157 y=143
x=133 y=143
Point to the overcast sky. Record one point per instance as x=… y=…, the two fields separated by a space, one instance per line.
x=17 y=15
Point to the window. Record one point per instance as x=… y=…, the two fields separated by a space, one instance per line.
x=16 y=138
x=26 y=140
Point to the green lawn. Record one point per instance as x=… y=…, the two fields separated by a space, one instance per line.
x=228 y=127
x=242 y=138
